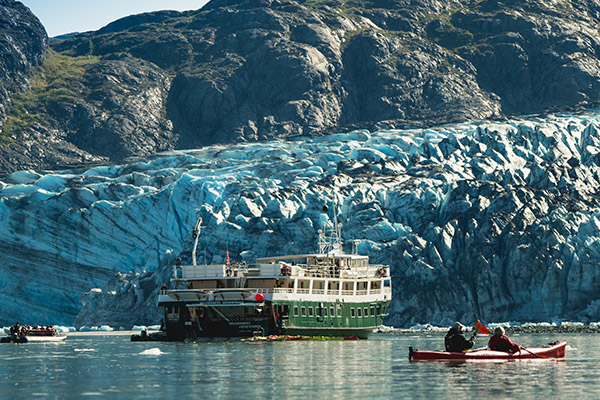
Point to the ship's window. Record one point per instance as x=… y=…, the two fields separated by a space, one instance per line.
x=366 y=312
x=386 y=283
x=372 y=310
x=303 y=310
x=359 y=312
x=318 y=311
x=286 y=309
x=325 y=311
x=339 y=311
x=352 y=312
x=310 y=311
x=169 y=310
x=295 y=311
x=332 y=311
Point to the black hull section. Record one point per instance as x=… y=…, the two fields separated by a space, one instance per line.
x=237 y=328
x=10 y=339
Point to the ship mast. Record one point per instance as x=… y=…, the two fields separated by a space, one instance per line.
x=195 y=235
x=330 y=241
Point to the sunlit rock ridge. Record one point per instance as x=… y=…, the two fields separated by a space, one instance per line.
x=255 y=70
x=490 y=220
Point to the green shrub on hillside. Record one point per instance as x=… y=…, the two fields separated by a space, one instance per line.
x=57 y=82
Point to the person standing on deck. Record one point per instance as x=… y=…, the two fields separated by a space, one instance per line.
x=456 y=342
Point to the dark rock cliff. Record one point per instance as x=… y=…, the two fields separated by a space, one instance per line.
x=23 y=44
x=250 y=70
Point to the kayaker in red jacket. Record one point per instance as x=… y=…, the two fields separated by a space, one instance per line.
x=455 y=341
x=499 y=342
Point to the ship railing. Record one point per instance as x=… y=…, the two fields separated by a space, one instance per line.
x=384 y=290
x=322 y=291
x=282 y=290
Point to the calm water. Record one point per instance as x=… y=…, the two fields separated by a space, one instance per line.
x=112 y=367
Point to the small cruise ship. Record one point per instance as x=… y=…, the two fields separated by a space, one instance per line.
x=327 y=293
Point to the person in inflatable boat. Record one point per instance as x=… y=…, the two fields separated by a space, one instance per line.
x=455 y=340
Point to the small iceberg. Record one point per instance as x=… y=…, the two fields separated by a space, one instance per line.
x=64 y=329
x=155 y=351
x=138 y=328
x=105 y=328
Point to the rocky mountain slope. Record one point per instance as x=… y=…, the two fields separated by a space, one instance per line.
x=248 y=70
x=23 y=44
x=497 y=221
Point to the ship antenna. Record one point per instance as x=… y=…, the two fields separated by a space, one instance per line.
x=336 y=240
x=332 y=242
x=195 y=235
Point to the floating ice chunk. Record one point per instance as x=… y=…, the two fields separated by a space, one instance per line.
x=84 y=349
x=421 y=327
x=568 y=323
x=385 y=328
x=152 y=352
x=96 y=290
x=154 y=327
x=105 y=328
x=138 y=328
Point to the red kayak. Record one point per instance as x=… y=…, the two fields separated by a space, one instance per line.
x=556 y=350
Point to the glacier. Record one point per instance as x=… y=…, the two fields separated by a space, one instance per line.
x=491 y=220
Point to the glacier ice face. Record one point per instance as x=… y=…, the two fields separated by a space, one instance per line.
x=491 y=220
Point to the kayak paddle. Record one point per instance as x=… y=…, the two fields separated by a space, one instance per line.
x=481 y=328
